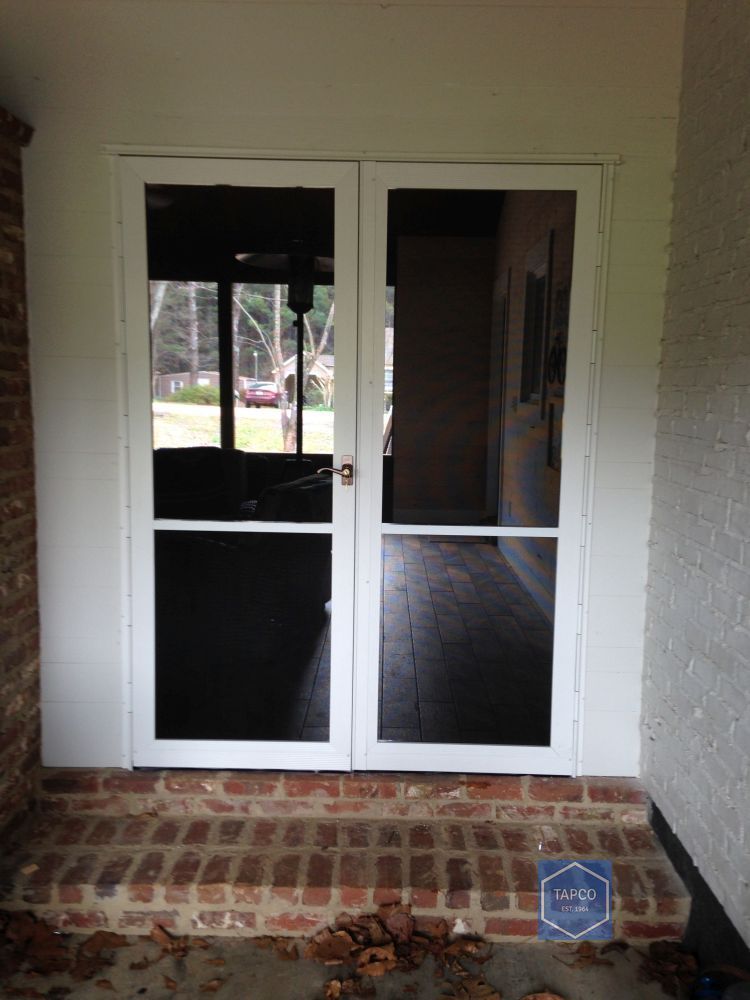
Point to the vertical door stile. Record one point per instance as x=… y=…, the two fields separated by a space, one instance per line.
x=363 y=557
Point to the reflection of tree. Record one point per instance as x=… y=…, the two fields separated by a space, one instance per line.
x=158 y=291
x=262 y=315
x=184 y=336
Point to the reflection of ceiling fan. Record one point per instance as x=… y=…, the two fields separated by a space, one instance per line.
x=297 y=269
x=158 y=196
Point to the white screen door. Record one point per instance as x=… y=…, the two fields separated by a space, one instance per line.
x=478 y=287
x=434 y=322
x=240 y=283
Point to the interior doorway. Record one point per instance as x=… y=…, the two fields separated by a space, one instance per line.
x=354 y=510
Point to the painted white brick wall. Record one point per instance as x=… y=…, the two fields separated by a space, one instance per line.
x=451 y=77
x=696 y=721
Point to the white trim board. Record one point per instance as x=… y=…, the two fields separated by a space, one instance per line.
x=496 y=158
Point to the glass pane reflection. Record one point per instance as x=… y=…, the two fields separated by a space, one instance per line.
x=242 y=636
x=476 y=316
x=265 y=388
x=466 y=642
x=184 y=363
x=242 y=316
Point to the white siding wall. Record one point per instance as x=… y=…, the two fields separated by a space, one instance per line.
x=697 y=690
x=447 y=77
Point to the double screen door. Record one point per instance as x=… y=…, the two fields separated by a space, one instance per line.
x=357 y=425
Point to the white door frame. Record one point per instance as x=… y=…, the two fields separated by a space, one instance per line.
x=354 y=701
x=135 y=173
x=560 y=756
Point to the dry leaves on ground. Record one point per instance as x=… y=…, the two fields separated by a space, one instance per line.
x=285 y=948
x=376 y=961
x=586 y=955
x=373 y=944
x=667 y=964
x=178 y=947
x=472 y=988
x=675 y=969
x=92 y=955
x=336 y=988
x=32 y=946
x=212 y=986
x=29 y=945
x=543 y=996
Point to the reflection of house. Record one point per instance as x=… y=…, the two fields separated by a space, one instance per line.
x=320 y=375
x=322 y=372
x=165 y=385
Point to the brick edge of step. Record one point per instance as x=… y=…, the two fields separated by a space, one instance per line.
x=235 y=922
x=396 y=795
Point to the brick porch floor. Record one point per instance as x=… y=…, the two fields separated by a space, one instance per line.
x=250 y=853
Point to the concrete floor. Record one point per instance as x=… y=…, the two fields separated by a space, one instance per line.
x=250 y=973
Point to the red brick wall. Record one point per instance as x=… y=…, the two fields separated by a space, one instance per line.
x=19 y=628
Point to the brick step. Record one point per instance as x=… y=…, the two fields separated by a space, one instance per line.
x=244 y=875
x=511 y=798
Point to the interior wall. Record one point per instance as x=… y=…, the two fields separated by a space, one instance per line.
x=529 y=466
x=696 y=715
x=441 y=378
x=454 y=78
x=19 y=612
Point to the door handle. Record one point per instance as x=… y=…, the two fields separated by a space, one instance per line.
x=346 y=471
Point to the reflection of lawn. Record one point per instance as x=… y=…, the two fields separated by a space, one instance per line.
x=182 y=426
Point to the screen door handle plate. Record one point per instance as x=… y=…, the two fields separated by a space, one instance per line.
x=346 y=471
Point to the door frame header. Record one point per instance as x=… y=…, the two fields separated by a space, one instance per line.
x=360 y=155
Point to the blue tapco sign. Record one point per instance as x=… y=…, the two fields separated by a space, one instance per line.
x=575 y=900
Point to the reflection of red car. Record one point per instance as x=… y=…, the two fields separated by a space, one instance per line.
x=262 y=394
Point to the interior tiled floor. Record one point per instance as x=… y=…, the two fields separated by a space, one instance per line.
x=466 y=653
